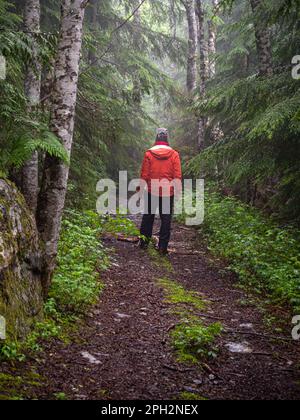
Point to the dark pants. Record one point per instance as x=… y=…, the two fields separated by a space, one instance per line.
x=166 y=206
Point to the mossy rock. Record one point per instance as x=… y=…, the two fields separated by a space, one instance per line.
x=21 y=299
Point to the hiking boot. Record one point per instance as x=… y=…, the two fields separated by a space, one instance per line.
x=163 y=251
x=144 y=245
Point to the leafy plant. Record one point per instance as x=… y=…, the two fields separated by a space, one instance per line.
x=76 y=284
x=120 y=224
x=193 y=341
x=264 y=256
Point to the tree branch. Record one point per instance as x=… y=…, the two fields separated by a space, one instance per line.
x=108 y=48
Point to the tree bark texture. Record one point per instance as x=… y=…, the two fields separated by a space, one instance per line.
x=55 y=176
x=29 y=173
x=263 y=41
x=192 y=45
x=203 y=69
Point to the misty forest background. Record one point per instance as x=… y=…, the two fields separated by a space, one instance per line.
x=218 y=74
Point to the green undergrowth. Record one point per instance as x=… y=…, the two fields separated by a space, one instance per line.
x=158 y=260
x=120 y=224
x=178 y=295
x=75 y=287
x=76 y=284
x=195 y=341
x=15 y=387
x=192 y=340
x=189 y=396
x=265 y=256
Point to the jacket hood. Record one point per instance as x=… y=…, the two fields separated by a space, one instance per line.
x=162 y=152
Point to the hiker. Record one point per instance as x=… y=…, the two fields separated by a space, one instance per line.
x=162 y=173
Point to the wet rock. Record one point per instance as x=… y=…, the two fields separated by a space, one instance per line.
x=21 y=301
x=198 y=382
x=122 y=316
x=90 y=358
x=247 y=326
x=239 y=348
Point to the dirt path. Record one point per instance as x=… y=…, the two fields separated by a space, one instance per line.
x=123 y=350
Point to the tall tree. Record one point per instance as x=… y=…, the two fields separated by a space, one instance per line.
x=263 y=40
x=29 y=173
x=203 y=68
x=94 y=24
x=192 y=47
x=55 y=176
x=216 y=131
x=212 y=40
x=137 y=94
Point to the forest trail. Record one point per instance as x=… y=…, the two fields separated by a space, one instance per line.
x=123 y=349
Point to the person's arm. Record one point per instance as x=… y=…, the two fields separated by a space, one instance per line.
x=177 y=174
x=145 y=172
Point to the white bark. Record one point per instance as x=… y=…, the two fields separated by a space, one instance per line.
x=212 y=42
x=216 y=132
x=55 y=176
x=29 y=173
x=192 y=47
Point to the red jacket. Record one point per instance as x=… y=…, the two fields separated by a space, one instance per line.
x=162 y=163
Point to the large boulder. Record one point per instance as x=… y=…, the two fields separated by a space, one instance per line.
x=21 y=297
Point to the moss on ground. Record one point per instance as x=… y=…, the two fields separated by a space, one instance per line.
x=178 y=295
x=192 y=340
x=189 y=396
x=159 y=260
x=14 y=387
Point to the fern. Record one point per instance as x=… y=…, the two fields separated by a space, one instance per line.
x=22 y=149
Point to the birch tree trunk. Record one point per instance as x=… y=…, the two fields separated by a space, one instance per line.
x=192 y=47
x=216 y=131
x=203 y=68
x=29 y=173
x=55 y=176
x=212 y=42
x=263 y=41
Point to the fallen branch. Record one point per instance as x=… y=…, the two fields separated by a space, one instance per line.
x=130 y=239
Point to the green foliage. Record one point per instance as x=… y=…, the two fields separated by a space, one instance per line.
x=120 y=224
x=20 y=150
x=189 y=396
x=14 y=387
x=22 y=132
x=76 y=284
x=258 y=158
x=193 y=341
x=262 y=254
x=121 y=73
x=17 y=350
x=177 y=294
x=60 y=396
